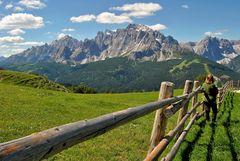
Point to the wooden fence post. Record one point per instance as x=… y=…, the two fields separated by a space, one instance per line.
x=182 y=112
x=195 y=98
x=227 y=86
x=160 y=122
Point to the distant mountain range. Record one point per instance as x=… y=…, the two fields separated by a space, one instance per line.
x=2 y=58
x=136 y=42
x=136 y=58
x=220 y=50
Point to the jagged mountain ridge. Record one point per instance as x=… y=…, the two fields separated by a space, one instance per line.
x=213 y=48
x=137 y=42
x=236 y=45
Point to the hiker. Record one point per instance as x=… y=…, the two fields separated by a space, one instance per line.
x=210 y=93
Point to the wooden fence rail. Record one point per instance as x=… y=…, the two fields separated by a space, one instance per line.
x=157 y=151
x=181 y=138
x=43 y=144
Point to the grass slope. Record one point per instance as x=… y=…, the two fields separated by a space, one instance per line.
x=185 y=64
x=25 y=79
x=27 y=110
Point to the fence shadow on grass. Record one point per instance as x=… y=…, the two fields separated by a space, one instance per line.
x=210 y=145
x=227 y=107
x=223 y=110
x=219 y=116
x=227 y=126
x=191 y=144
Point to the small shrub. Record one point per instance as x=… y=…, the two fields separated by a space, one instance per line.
x=82 y=88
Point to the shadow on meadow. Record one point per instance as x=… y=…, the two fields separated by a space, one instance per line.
x=227 y=126
x=188 y=150
x=226 y=111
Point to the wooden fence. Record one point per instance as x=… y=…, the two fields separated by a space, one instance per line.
x=46 y=143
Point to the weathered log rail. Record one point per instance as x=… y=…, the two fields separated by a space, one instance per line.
x=44 y=144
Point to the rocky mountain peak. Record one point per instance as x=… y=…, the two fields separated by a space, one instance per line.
x=210 y=47
x=66 y=41
x=209 y=41
x=66 y=37
x=226 y=46
x=138 y=27
x=214 y=48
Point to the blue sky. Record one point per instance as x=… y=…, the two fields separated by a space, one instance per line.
x=25 y=23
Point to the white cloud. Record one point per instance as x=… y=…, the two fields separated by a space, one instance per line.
x=83 y=18
x=9 y=6
x=111 y=18
x=18 y=50
x=21 y=21
x=138 y=14
x=139 y=9
x=158 y=27
x=17 y=47
x=1 y=2
x=61 y=35
x=68 y=30
x=30 y=43
x=150 y=7
x=10 y=50
x=16 y=32
x=32 y=4
x=213 y=34
x=11 y=39
x=105 y=17
x=18 y=9
x=185 y=6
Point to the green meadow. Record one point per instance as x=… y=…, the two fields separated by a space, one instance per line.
x=25 y=110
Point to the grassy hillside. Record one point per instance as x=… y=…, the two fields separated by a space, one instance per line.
x=27 y=110
x=25 y=79
x=123 y=75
